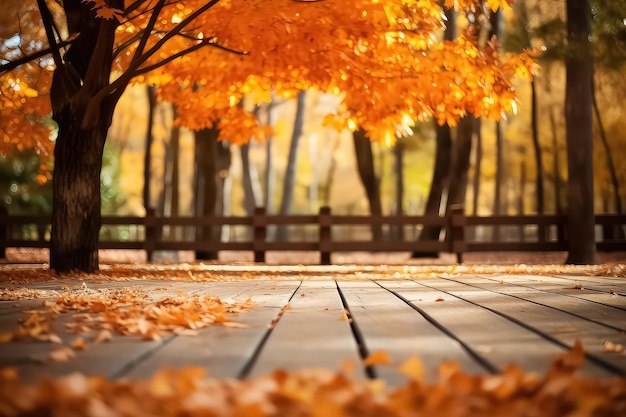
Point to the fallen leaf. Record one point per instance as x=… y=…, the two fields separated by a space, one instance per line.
x=62 y=354
x=439 y=299
x=379 y=357
x=103 y=336
x=413 y=368
x=78 y=344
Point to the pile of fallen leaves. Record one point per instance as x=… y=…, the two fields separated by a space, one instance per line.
x=97 y=315
x=320 y=393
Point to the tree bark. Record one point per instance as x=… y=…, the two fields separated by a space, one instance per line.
x=206 y=192
x=289 y=179
x=367 y=174
x=540 y=204
x=76 y=217
x=578 y=123
x=397 y=231
x=84 y=70
x=270 y=175
x=460 y=167
x=147 y=160
x=251 y=187
x=477 y=167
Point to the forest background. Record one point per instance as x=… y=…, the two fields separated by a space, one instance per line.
x=326 y=170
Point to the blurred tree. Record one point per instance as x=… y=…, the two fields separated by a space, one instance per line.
x=289 y=179
x=578 y=115
x=369 y=179
x=437 y=195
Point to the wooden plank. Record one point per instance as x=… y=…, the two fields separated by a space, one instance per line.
x=564 y=287
x=555 y=325
x=224 y=351
x=391 y=325
x=311 y=334
x=495 y=339
x=583 y=308
x=585 y=300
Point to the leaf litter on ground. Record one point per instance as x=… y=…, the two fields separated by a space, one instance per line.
x=99 y=314
x=322 y=393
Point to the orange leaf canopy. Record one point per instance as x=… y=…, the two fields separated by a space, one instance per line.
x=383 y=57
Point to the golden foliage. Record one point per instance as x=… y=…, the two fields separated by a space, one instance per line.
x=383 y=57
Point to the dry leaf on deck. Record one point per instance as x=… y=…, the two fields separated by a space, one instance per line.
x=377 y=358
x=62 y=354
x=413 y=368
x=103 y=336
x=78 y=344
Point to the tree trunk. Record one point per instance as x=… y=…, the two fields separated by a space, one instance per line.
x=609 y=158
x=537 y=149
x=76 y=194
x=497 y=194
x=436 y=203
x=477 y=166
x=270 y=175
x=83 y=72
x=289 y=179
x=397 y=231
x=578 y=123
x=251 y=186
x=367 y=174
x=460 y=167
x=206 y=193
x=171 y=175
x=556 y=169
x=147 y=160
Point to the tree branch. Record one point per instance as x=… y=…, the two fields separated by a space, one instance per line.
x=131 y=72
x=147 y=32
x=48 y=24
x=203 y=42
x=11 y=65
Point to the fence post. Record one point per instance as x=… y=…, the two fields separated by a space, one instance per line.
x=151 y=233
x=325 y=242
x=4 y=231
x=456 y=226
x=259 y=226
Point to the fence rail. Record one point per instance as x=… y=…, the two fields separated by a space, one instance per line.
x=462 y=234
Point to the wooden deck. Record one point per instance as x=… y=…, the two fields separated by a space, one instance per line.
x=482 y=322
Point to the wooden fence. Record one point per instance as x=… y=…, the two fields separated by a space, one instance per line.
x=463 y=233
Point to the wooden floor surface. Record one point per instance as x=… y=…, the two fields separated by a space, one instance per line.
x=482 y=322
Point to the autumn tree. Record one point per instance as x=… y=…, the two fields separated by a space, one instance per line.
x=382 y=57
